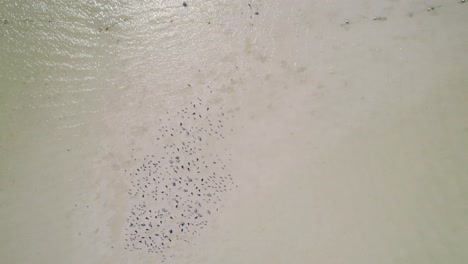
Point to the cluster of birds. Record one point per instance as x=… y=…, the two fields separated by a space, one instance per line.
x=175 y=192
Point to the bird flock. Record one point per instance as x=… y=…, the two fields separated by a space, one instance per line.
x=175 y=192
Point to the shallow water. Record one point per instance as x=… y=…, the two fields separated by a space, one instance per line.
x=346 y=137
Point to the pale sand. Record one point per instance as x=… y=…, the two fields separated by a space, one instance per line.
x=349 y=141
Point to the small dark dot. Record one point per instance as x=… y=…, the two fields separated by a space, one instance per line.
x=256 y=13
x=184 y=4
x=170 y=231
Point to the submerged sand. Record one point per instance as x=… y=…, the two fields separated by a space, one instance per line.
x=344 y=132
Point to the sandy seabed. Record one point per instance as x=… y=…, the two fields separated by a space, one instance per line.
x=249 y=132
